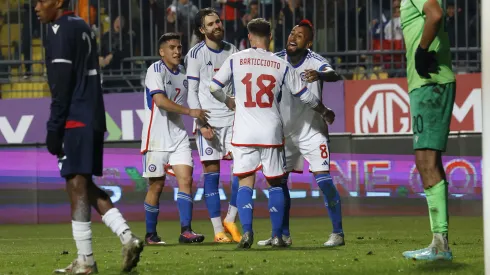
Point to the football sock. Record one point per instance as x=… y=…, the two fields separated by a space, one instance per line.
x=276 y=210
x=437 y=202
x=245 y=207
x=332 y=201
x=287 y=206
x=211 y=197
x=217 y=225
x=185 y=205
x=232 y=210
x=116 y=222
x=151 y=217
x=82 y=234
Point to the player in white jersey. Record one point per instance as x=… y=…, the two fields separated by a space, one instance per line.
x=213 y=139
x=260 y=79
x=306 y=135
x=164 y=140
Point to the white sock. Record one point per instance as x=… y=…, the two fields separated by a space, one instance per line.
x=231 y=215
x=82 y=234
x=116 y=222
x=218 y=225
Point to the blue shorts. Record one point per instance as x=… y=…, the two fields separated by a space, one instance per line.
x=84 y=149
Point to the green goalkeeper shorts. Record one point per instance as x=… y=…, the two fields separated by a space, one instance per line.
x=431 y=108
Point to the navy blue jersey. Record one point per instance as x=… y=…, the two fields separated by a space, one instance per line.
x=73 y=75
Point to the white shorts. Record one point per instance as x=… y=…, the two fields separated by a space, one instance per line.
x=247 y=160
x=316 y=151
x=157 y=163
x=217 y=149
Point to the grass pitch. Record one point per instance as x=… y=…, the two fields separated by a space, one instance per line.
x=373 y=246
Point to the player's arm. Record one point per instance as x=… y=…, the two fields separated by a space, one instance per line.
x=325 y=73
x=433 y=17
x=298 y=89
x=193 y=68
x=162 y=102
x=62 y=82
x=425 y=61
x=154 y=82
x=220 y=80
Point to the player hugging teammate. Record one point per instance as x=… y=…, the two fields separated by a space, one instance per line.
x=261 y=80
x=256 y=84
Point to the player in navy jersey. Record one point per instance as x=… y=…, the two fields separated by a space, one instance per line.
x=76 y=129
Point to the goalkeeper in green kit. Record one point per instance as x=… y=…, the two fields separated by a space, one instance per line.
x=432 y=89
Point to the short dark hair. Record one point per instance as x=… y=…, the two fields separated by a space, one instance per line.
x=253 y=2
x=199 y=20
x=66 y=4
x=307 y=24
x=168 y=36
x=259 y=27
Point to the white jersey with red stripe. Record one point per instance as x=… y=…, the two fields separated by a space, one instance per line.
x=202 y=63
x=162 y=130
x=258 y=77
x=298 y=118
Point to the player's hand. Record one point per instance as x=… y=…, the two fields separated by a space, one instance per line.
x=328 y=116
x=200 y=114
x=54 y=142
x=230 y=103
x=426 y=62
x=207 y=132
x=311 y=75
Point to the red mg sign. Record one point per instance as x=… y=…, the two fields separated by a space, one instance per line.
x=383 y=107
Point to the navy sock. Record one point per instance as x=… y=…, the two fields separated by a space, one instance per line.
x=332 y=200
x=185 y=205
x=151 y=217
x=211 y=194
x=287 y=206
x=234 y=191
x=276 y=210
x=245 y=207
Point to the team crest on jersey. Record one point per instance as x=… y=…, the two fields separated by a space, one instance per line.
x=152 y=167
x=185 y=83
x=303 y=76
x=209 y=151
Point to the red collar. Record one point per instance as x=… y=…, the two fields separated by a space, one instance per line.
x=68 y=13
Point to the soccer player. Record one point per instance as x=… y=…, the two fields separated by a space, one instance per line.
x=432 y=88
x=259 y=79
x=213 y=138
x=164 y=140
x=75 y=131
x=305 y=132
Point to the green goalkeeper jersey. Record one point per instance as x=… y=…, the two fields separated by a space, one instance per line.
x=413 y=20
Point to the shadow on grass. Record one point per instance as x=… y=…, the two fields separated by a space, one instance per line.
x=277 y=249
x=186 y=245
x=440 y=266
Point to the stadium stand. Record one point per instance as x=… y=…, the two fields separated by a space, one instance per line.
x=361 y=42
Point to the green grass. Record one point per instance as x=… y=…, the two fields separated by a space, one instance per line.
x=373 y=246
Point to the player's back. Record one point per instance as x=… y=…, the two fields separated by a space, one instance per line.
x=297 y=117
x=258 y=77
x=70 y=40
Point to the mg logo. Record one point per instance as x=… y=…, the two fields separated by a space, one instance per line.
x=383 y=109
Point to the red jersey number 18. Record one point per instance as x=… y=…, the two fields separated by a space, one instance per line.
x=263 y=90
